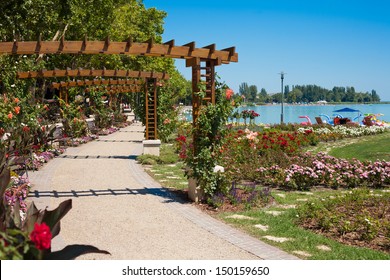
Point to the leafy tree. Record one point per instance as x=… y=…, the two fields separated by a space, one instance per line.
x=374 y=96
x=252 y=93
x=243 y=90
x=74 y=19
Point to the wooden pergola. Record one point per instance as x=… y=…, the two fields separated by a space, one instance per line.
x=202 y=60
x=136 y=81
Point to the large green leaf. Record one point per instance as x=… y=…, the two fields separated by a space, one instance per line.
x=52 y=218
x=5 y=178
x=71 y=252
x=32 y=215
x=16 y=215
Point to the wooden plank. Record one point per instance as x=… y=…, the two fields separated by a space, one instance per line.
x=91 y=73
x=95 y=82
x=97 y=47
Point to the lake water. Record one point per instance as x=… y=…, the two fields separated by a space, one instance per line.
x=270 y=114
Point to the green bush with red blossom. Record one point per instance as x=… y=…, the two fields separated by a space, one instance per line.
x=29 y=236
x=201 y=150
x=73 y=120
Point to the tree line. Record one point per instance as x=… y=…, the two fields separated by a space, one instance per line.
x=306 y=94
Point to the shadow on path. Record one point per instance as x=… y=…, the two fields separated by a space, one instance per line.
x=124 y=141
x=169 y=196
x=132 y=157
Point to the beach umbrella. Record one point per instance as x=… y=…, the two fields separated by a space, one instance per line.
x=349 y=110
x=346 y=109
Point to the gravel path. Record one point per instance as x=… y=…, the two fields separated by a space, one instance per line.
x=119 y=208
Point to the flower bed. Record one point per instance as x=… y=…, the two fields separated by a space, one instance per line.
x=274 y=158
x=107 y=131
x=340 y=131
x=18 y=191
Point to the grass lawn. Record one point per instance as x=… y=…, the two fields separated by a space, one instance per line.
x=166 y=169
x=370 y=147
x=373 y=147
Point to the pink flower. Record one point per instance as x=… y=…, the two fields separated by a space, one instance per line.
x=229 y=93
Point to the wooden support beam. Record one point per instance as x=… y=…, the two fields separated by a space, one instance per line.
x=191 y=46
x=91 y=73
x=150 y=43
x=39 y=44
x=231 y=50
x=87 y=82
x=106 y=44
x=129 y=43
x=15 y=46
x=62 y=43
x=193 y=62
x=149 y=48
x=211 y=48
x=84 y=45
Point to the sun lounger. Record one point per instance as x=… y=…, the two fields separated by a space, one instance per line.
x=319 y=120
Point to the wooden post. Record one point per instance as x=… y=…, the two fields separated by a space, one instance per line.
x=210 y=79
x=151 y=108
x=196 y=102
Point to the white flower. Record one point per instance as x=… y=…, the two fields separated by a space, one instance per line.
x=13 y=85
x=218 y=168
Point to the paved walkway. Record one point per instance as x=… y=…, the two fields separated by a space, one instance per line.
x=119 y=208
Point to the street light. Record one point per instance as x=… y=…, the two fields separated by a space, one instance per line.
x=282 y=97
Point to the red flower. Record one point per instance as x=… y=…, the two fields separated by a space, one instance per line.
x=10 y=115
x=41 y=236
x=17 y=110
x=16 y=100
x=181 y=139
x=229 y=93
x=26 y=128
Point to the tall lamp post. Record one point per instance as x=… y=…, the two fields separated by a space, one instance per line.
x=282 y=96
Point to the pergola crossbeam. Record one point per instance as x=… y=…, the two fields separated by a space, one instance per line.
x=95 y=82
x=107 y=47
x=56 y=73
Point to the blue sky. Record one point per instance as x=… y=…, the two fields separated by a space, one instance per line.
x=327 y=43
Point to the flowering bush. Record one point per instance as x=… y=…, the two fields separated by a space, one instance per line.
x=273 y=158
x=249 y=114
x=208 y=138
x=17 y=192
x=315 y=170
x=340 y=131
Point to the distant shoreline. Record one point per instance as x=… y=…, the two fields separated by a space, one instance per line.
x=315 y=104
